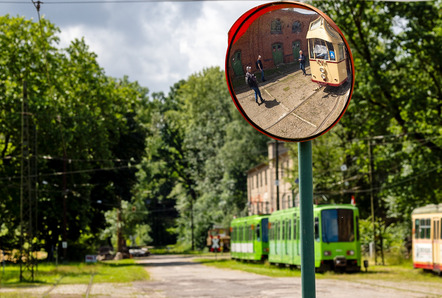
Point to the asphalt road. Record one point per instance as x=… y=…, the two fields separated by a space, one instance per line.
x=178 y=276
x=175 y=276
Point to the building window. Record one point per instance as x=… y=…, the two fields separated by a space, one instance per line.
x=296 y=27
x=276 y=27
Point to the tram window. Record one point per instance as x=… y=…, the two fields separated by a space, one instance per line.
x=341 y=51
x=265 y=230
x=278 y=231
x=316 y=229
x=416 y=228
x=424 y=229
x=331 y=50
x=311 y=47
x=320 y=49
x=357 y=228
x=290 y=229
x=337 y=225
x=258 y=232
x=294 y=228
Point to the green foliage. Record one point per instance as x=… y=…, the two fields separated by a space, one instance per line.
x=198 y=151
x=84 y=133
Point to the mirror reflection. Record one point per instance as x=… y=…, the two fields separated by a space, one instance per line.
x=290 y=73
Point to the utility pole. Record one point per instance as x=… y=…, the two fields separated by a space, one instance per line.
x=370 y=156
x=277 y=174
x=26 y=201
x=191 y=224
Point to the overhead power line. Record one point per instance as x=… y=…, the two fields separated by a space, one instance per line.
x=113 y=1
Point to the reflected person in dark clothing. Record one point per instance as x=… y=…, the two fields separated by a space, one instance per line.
x=260 y=67
x=253 y=84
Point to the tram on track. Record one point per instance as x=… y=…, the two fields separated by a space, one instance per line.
x=337 y=241
x=427 y=237
x=249 y=238
x=327 y=54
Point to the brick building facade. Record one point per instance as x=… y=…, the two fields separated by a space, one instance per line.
x=277 y=36
x=262 y=186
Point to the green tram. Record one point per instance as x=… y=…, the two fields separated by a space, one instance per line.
x=336 y=233
x=249 y=238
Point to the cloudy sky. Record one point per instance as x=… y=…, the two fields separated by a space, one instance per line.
x=155 y=43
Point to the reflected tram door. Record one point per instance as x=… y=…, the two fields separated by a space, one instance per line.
x=437 y=245
x=277 y=53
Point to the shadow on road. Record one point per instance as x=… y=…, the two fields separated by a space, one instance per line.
x=271 y=103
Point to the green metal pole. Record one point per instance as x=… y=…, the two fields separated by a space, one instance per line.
x=306 y=217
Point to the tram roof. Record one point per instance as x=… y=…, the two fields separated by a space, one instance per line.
x=319 y=28
x=432 y=208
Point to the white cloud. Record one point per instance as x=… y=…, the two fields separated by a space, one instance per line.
x=156 y=44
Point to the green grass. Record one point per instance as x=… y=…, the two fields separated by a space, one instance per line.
x=77 y=273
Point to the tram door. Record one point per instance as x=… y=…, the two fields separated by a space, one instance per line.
x=237 y=64
x=296 y=47
x=436 y=241
x=277 y=53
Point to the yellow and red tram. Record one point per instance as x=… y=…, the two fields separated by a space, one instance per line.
x=427 y=237
x=327 y=54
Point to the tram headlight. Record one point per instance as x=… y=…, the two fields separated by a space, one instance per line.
x=327 y=253
x=321 y=69
x=350 y=252
x=323 y=76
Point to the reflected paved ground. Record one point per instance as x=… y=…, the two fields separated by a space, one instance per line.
x=295 y=107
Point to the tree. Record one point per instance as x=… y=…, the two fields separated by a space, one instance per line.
x=395 y=109
x=85 y=125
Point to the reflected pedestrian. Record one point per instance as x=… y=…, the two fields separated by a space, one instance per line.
x=302 y=62
x=253 y=84
x=260 y=67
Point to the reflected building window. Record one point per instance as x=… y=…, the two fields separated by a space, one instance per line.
x=276 y=27
x=296 y=27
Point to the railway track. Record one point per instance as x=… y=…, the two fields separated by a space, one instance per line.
x=57 y=283
x=294 y=109
x=292 y=112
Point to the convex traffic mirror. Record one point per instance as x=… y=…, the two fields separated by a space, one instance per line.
x=289 y=70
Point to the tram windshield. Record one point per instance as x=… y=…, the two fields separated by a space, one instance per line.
x=337 y=225
x=321 y=49
x=265 y=229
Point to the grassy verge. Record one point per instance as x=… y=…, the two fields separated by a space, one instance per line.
x=77 y=273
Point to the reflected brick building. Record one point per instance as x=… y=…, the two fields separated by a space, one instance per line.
x=277 y=36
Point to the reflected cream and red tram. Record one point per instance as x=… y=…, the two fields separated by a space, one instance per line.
x=327 y=54
x=427 y=237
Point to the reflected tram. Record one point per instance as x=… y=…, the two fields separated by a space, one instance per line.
x=327 y=54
